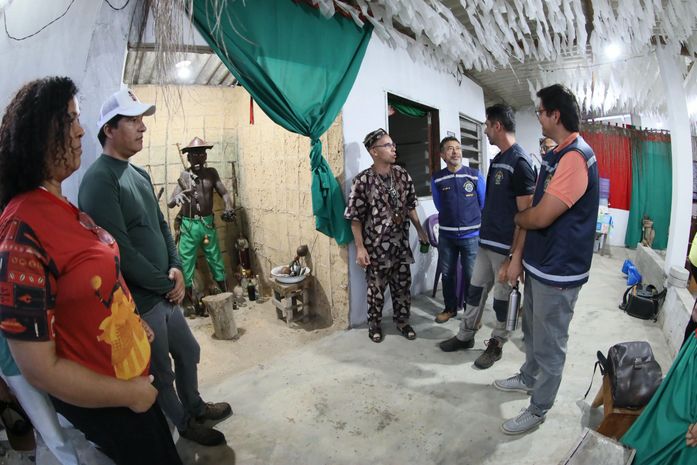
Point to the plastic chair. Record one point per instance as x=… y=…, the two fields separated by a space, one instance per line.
x=432 y=229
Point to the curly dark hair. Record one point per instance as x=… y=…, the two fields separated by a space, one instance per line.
x=35 y=123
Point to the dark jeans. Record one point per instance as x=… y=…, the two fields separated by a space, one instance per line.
x=173 y=337
x=126 y=437
x=449 y=250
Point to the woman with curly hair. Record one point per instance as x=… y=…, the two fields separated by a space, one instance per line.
x=66 y=313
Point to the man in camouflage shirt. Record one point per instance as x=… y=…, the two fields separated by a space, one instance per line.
x=381 y=200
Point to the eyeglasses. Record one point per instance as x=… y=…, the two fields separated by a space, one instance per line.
x=102 y=234
x=387 y=146
x=373 y=137
x=539 y=111
x=453 y=148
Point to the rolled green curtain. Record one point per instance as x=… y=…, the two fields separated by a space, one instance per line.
x=652 y=179
x=299 y=67
x=408 y=110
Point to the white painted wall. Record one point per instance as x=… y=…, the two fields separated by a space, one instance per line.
x=528 y=132
x=88 y=45
x=386 y=70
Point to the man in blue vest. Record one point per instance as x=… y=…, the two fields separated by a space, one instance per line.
x=458 y=194
x=509 y=188
x=559 y=231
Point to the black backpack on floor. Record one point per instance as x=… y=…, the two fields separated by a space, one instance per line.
x=642 y=301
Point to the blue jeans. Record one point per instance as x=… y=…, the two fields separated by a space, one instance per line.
x=173 y=336
x=448 y=251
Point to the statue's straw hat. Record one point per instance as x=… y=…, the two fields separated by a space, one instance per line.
x=197 y=143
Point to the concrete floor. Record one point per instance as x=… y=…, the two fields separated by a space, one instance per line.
x=346 y=400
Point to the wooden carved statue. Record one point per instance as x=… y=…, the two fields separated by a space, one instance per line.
x=648 y=231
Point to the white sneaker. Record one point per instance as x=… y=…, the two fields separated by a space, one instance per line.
x=513 y=384
x=524 y=422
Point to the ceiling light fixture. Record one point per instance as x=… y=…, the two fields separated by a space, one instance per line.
x=183 y=69
x=613 y=51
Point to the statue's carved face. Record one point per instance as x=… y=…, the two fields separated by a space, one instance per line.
x=197 y=157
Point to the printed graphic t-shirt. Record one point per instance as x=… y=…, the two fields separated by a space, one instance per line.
x=60 y=280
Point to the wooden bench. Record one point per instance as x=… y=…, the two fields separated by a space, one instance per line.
x=616 y=421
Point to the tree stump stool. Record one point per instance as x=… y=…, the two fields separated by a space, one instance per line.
x=220 y=309
x=616 y=421
x=291 y=298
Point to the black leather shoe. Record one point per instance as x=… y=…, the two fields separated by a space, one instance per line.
x=203 y=435
x=453 y=344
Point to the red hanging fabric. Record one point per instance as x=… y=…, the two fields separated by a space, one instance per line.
x=613 y=151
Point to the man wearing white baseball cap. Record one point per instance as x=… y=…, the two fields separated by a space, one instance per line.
x=120 y=198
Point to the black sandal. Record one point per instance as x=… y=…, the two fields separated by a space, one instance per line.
x=375 y=334
x=407 y=331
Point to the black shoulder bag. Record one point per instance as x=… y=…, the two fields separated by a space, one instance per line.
x=633 y=372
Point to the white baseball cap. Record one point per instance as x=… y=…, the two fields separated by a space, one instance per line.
x=123 y=102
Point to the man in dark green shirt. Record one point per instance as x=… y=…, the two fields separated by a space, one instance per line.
x=120 y=198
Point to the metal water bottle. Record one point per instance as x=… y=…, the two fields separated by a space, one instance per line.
x=513 y=306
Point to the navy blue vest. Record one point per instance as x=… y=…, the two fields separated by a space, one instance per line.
x=497 y=218
x=459 y=207
x=560 y=255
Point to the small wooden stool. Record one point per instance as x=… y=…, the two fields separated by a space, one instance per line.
x=616 y=421
x=289 y=298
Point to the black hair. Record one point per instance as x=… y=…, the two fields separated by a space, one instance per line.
x=446 y=140
x=560 y=98
x=35 y=123
x=113 y=122
x=503 y=114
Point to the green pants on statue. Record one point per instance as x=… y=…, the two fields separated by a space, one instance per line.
x=193 y=231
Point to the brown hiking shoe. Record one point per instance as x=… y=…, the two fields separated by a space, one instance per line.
x=491 y=355
x=215 y=412
x=445 y=315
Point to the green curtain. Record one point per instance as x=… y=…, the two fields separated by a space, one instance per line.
x=652 y=179
x=408 y=110
x=299 y=67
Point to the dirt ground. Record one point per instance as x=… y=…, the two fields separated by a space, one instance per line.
x=262 y=336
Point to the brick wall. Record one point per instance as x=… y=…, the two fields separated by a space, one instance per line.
x=273 y=179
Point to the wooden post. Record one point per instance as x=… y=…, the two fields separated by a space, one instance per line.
x=220 y=309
